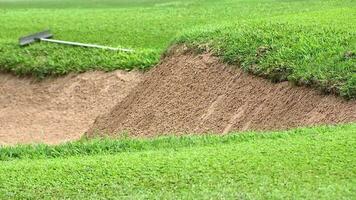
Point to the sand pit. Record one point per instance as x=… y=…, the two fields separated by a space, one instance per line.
x=59 y=109
x=185 y=93
x=190 y=93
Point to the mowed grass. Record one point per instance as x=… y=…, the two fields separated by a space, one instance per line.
x=307 y=163
x=306 y=42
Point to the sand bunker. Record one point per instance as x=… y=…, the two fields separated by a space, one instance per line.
x=58 y=110
x=190 y=93
x=185 y=93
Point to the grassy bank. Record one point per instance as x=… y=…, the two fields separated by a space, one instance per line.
x=307 y=42
x=311 y=53
x=313 y=163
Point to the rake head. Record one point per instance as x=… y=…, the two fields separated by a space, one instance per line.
x=35 y=37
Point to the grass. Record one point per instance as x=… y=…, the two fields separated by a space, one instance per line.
x=306 y=42
x=282 y=50
x=308 y=163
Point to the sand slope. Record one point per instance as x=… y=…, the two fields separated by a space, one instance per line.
x=190 y=93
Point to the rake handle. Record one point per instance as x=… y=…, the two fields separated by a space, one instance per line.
x=84 y=45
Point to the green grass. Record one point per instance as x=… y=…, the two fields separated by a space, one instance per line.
x=308 y=163
x=281 y=50
x=304 y=41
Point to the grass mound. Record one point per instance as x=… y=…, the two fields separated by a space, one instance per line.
x=323 y=57
x=312 y=163
x=43 y=60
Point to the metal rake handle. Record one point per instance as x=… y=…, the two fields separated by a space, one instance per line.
x=85 y=45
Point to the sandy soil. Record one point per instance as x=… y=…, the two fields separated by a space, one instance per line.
x=190 y=93
x=59 y=109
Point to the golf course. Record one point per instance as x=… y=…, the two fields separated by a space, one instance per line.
x=187 y=99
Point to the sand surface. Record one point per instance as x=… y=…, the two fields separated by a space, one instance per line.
x=57 y=110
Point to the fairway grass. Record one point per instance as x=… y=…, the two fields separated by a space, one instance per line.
x=306 y=42
x=308 y=163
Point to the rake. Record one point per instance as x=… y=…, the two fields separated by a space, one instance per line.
x=45 y=36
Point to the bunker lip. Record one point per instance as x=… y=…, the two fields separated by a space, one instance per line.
x=197 y=93
x=186 y=93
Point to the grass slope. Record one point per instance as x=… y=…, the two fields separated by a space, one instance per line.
x=312 y=163
x=316 y=53
x=307 y=42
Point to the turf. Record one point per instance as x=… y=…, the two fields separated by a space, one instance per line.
x=306 y=42
x=308 y=163
x=285 y=49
